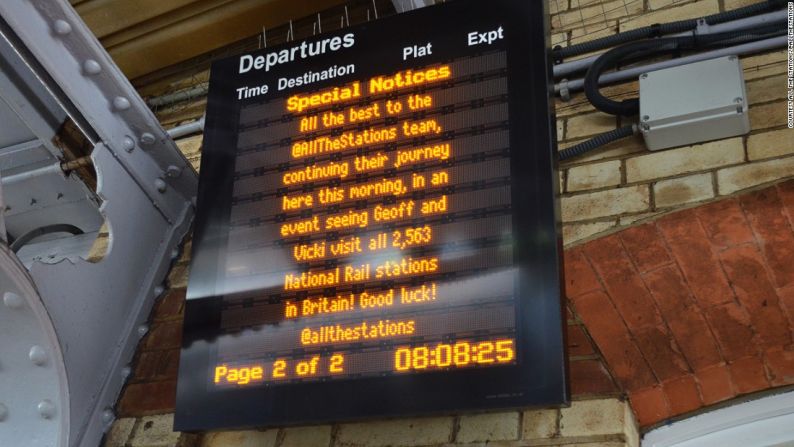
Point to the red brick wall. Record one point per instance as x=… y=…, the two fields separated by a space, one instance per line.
x=696 y=307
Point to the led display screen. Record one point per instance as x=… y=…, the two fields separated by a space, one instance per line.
x=377 y=228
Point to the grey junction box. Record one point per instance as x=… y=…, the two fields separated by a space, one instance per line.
x=693 y=103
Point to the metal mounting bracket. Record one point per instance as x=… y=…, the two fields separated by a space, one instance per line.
x=96 y=312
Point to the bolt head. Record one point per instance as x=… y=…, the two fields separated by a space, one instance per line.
x=646 y=118
x=125 y=372
x=174 y=253
x=738 y=100
x=38 y=355
x=108 y=416
x=142 y=330
x=62 y=27
x=46 y=409
x=12 y=300
x=128 y=144
x=121 y=103
x=147 y=138
x=173 y=171
x=159 y=290
x=91 y=67
x=160 y=185
x=644 y=76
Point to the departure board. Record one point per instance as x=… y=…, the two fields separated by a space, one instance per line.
x=377 y=225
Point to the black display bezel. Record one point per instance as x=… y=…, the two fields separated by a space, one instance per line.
x=540 y=378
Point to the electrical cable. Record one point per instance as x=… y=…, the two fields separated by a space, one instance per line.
x=648 y=47
x=660 y=29
x=598 y=141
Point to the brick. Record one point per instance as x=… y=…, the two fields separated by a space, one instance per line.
x=612 y=202
x=560 y=39
x=767 y=89
x=745 y=269
x=733 y=4
x=748 y=375
x=594 y=176
x=540 y=424
x=488 y=427
x=590 y=124
x=683 y=317
x=615 y=149
x=689 y=245
x=314 y=436
x=593 y=417
x=770 y=144
x=165 y=335
x=190 y=146
x=590 y=378
x=177 y=279
x=715 y=384
x=645 y=246
x=119 y=433
x=98 y=249
x=763 y=65
x=623 y=282
x=612 y=338
x=679 y=191
x=649 y=405
x=560 y=130
x=731 y=326
x=725 y=223
x=660 y=351
x=780 y=363
x=737 y=178
x=155 y=431
x=682 y=394
x=684 y=160
x=572 y=233
x=768 y=115
x=396 y=433
x=147 y=365
x=590 y=31
x=786 y=295
x=687 y=11
x=251 y=438
x=785 y=191
x=579 y=275
x=156 y=365
x=140 y=399
x=578 y=342
x=631 y=220
x=169 y=306
x=767 y=217
x=596 y=13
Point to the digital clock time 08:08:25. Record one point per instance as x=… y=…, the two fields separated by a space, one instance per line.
x=461 y=353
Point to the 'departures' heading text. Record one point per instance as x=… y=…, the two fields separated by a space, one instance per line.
x=303 y=51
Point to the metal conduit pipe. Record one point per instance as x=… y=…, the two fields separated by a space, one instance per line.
x=187 y=129
x=735 y=25
x=182 y=95
x=630 y=73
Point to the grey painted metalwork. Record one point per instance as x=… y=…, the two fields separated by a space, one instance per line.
x=34 y=409
x=145 y=195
